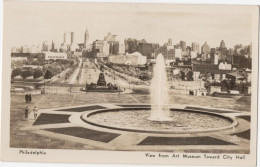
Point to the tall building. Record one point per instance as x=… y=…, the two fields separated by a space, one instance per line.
x=63 y=48
x=222 y=44
x=72 y=37
x=171 y=54
x=205 y=48
x=188 y=50
x=113 y=47
x=55 y=47
x=212 y=51
x=177 y=46
x=110 y=38
x=195 y=47
x=68 y=42
x=73 y=46
x=86 y=37
x=163 y=50
x=146 y=49
x=214 y=59
x=101 y=48
x=193 y=54
x=130 y=45
x=170 y=42
x=183 y=45
x=45 y=47
x=178 y=53
x=116 y=47
x=121 y=49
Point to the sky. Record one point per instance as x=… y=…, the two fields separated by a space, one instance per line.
x=28 y=23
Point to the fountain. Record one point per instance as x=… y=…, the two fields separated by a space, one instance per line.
x=159 y=92
x=158 y=117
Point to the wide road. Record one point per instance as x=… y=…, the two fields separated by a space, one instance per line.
x=75 y=73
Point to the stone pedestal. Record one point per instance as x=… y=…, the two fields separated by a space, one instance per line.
x=101 y=80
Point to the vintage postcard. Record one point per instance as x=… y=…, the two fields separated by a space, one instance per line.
x=129 y=83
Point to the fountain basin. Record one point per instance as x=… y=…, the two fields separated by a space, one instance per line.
x=136 y=120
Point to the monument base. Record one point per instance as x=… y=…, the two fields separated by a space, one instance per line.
x=104 y=89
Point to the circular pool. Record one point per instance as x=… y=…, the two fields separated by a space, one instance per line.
x=136 y=120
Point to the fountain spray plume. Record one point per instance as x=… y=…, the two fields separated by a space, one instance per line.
x=159 y=92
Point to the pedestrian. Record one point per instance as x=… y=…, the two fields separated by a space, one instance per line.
x=26 y=112
x=35 y=112
x=30 y=98
x=26 y=97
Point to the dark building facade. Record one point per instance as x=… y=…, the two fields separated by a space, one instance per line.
x=205 y=67
x=114 y=47
x=183 y=45
x=208 y=68
x=146 y=49
x=131 y=45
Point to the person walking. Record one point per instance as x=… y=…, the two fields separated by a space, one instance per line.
x=26 y=112
x=30 y=98
x=35 y=112
x=26 y=97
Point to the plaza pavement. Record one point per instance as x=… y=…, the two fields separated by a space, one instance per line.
x=70 y=123
x=20 y=137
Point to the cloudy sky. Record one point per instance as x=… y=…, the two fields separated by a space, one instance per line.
x=34 y=22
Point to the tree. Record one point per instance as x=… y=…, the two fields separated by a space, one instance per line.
x=16 y=72
x=35 y=62
x=207 y=85
x=48 y=74
x=27 y=73
x=189 y=76
x=16 y=64
x=182 y=75
x=208 y=76
x=224 y=85
x=55 y=68
x=37 y=73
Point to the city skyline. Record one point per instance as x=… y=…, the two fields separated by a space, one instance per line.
x=188 y=27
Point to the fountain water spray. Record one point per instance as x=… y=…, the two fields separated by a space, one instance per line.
x=159 y=92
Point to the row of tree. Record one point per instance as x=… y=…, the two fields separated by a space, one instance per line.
x=226 y=85
x=49 y=70
x=19 y=63
x=27 y=72
x=144 y=75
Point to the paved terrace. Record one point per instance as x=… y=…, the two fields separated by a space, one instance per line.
x=20 y=137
